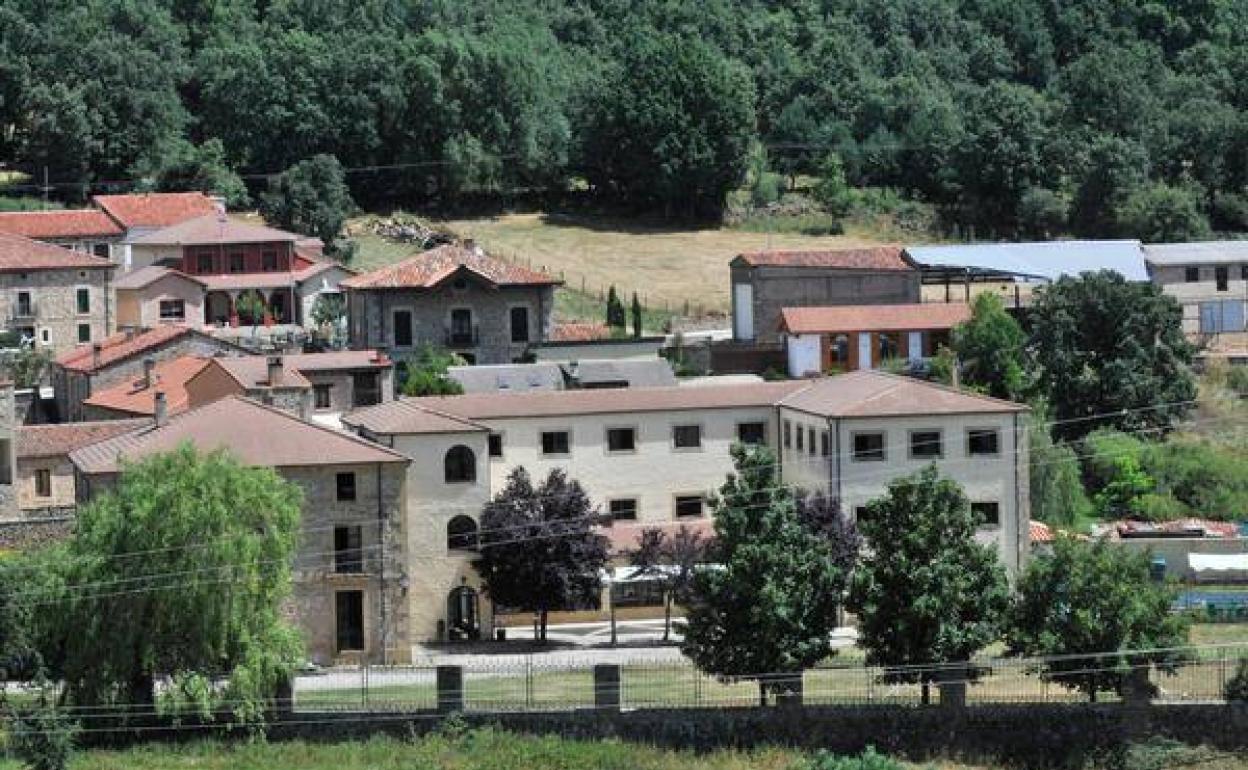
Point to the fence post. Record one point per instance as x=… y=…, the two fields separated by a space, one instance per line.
x=953 y=688
x=607 y=686
x=450 y=689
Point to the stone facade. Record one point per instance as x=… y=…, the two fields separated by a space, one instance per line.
x=487 y=339
x=52 y=317
x=770 y=289
x=60 y=502
x=341 y=387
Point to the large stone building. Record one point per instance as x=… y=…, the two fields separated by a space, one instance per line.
x=847 y=435
x=486 y=310
x=54 y=297
x=310 y=384
x=44 y=480
x=350 y=571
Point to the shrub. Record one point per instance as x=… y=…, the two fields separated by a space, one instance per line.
x=867 y=760
x=43 y=738
x=1236 y=689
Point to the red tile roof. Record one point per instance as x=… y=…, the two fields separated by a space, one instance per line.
x=146 y=276
x=879 y=394
x=18 y=254
x=580 y=332
x=864 y=258
x=119 y=346
x=1040 y=532
x=68 y=223
x=873 y=318
x=134 y=397
x=430 y=268
x=155 y=209
x=212 y=229
x=257 y=435
x=63 y=438
x=253 y=372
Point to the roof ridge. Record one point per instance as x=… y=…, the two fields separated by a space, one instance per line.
x=299 y=420
x=901 y=378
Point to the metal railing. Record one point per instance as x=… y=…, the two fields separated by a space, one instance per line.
x=539 y=683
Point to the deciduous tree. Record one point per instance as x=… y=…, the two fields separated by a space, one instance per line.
x=990 y=349
x=670 y=562
x=310 y=197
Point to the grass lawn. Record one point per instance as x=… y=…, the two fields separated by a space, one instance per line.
x=1219 y=633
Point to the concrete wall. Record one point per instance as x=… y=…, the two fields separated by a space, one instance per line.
x=1175 y=552
x=805 y=356
x=141 y=307
x=371 y=325
x=53 y=295
x=775 y=288
x=1173 y=281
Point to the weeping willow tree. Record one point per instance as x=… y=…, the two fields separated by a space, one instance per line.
x=181 y=571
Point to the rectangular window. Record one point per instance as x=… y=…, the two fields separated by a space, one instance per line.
x=555 y=442
x=825 y=443
x=810 y=440
x=623 y=510
x=348 y=553
x=203 y=263
x=989 y=514
x=1243 y=272
x=1191 y=274
x=788 y=434
x=349 y=620
x=172 y=310
x=689 y=506
x=321 y=395
x=402 y=328
x=621 y=439
x=925 y=444
x=496 y=445
x=25 y=307
x=84 y=332
x=519 y=324
x=238 y=263
x=346 y=486
x=101 y=250
x=868 y=447
x=983 y=442
x=687 y=436
x=1222 y=275
x=801 y=436
x=83 y=300
x=43 y=482
x=268 y=261
x=365 y=389
x=752 y=432
x=861 y=514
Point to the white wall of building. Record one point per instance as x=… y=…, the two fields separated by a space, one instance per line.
x=804 y=354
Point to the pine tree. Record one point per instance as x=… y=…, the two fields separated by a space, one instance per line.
x=636 y=316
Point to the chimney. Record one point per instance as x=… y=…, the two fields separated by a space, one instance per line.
x=275 y=371
x=160 y=408
x=149 y=367
x=218 y=203
x=95 y=354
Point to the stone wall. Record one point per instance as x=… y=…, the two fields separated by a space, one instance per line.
x=53 y=295
x=33 y=533
x=61 y=471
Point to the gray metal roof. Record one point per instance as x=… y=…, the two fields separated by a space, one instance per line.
x=1047 y=260
x=1202 y=253
x=638 y=374
x=519 y=378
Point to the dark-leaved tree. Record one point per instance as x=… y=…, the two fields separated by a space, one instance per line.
x=539 y=550
x=310 y=197
x=670 y=562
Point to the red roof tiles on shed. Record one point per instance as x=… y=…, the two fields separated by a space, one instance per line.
x=63 y=438
x=135 y=397
x=69 y=223
x=865 y=258
x=873 y=318
x=119 y=346
x=580 y=332
x=155 y=209
x=18 y=254
x=430 y=268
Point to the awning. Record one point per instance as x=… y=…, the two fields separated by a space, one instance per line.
x=1218 y=562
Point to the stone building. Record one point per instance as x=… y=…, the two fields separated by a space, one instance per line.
x=79 y=373
x=44 y=481
x=351 y=572
x=136 y=396
x=52 y=296
x=310 y=384
x=766 y=282
x=90 y=231
x=1210 y=281
x=457 y=297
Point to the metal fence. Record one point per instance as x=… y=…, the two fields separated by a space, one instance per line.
x=536 y=683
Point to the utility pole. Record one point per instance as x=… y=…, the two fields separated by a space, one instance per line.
x=47 y=188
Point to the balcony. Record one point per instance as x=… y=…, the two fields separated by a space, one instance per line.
x=23 y=311
x=462 y=337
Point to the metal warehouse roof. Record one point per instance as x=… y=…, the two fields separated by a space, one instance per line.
x=1203 y=253
x=1046 y=261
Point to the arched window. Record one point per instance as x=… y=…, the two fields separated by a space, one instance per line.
x=461 y=534
x=460 y=464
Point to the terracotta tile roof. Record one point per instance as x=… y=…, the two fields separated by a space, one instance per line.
x=413 y=418
x=257 y=435
x=538 y=403
x=212 y=230
x=879 y=394
x=253 y=372
x=338 y=360
x=125 y=344
x=67 y=223
x=428 y=269
x=146 y=276
x=155 y=209
x=19 y=254
x=134 y=397
x=864 y=258
x=63 y=438
x=1040 y=532
x=873 y=318
x=579 y=332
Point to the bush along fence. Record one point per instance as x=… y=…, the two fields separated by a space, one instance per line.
x=526 y=684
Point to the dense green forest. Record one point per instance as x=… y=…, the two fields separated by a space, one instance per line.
x=1019 y=117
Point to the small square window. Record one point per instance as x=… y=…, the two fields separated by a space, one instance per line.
x=496 y=445
x=752 y=432
x=687 y=436
x=689 y=506
x=172 y=310
x=43 y=482
x=268 y=261
x=238 y=262
x=346 y=486
x=203 y=263
x=83 y=301
x=555 y=442
x=989 y=514
x=621 y=440
x=982 y=442
x=84 y=332
x=1222 y=275
x=322 y=395
x=623 y=510
x=1191 y=274
x=925 y=444
x=868 y=447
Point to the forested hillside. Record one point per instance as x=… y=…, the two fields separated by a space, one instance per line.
x=1020 y=117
